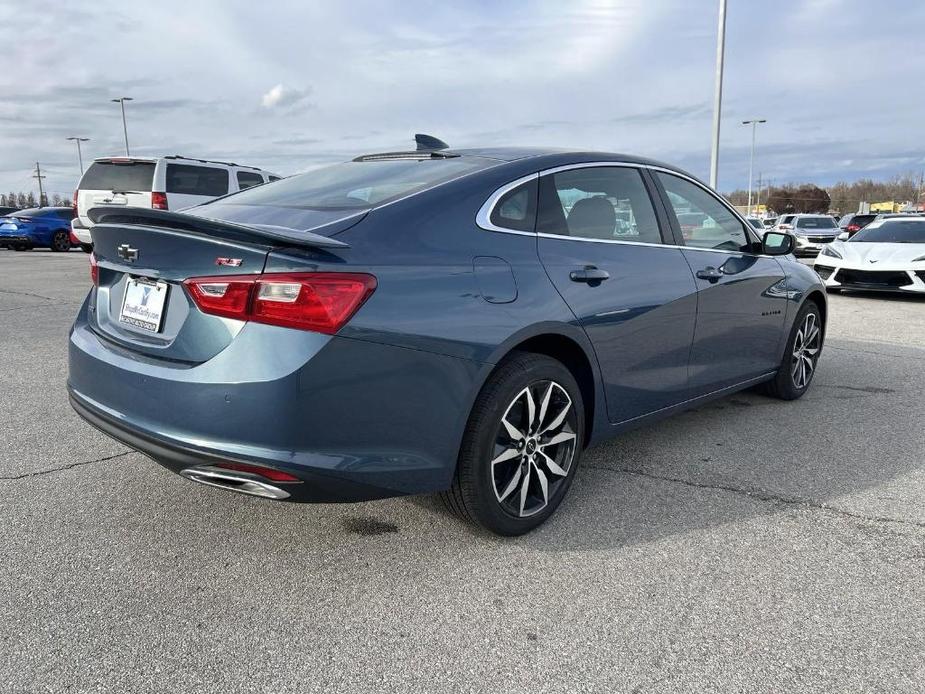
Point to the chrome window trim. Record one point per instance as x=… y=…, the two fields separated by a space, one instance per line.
x=483 y=217
x=484 y=214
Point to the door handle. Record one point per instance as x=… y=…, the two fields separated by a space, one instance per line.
x=590 y=275
x=711 y=274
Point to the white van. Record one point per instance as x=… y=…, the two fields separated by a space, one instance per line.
x=163 y=183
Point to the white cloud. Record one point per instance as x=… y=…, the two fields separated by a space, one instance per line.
x=281 y=97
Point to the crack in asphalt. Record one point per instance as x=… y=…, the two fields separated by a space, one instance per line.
x=761 y=495
x=56 y=304
x=42 y=473
x=36 y=296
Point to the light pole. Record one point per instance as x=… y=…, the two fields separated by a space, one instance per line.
x=718 y=92
x=751 y=160
x=121 y=101
x=80 y=158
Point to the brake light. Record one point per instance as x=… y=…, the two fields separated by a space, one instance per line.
x=94 y=270
x=318 y=301
x=158 y=201
x=75 y=201
x=852 y=227
x=268 y=472
x=74 y=240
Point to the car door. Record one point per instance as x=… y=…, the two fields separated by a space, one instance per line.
x=741 y=294
x=601 y=241
x=188 y=185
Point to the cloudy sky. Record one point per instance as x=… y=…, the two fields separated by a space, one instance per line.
x=289 y=85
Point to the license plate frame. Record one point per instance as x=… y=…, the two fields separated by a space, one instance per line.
x=137 y=309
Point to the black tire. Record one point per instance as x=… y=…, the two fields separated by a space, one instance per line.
x=86 y=247
x=786 y=385
x=60 y=242
x=475 y=495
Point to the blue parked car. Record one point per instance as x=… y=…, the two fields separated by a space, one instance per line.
x=46 y=227
x=455 y=321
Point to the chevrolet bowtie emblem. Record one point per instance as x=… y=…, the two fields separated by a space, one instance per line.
x=127 y=253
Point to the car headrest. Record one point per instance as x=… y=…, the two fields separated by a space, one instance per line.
x=592 y=217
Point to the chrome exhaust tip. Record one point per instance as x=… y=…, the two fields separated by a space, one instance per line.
x=240 y=482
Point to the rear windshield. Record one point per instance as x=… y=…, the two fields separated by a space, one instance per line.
x=816 y=223
x=130 y=176
x=357 y=185
x=892 y=232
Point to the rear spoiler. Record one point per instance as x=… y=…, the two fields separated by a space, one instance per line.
x=142 y=216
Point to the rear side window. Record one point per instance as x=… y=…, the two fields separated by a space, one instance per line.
x=197 y=180
x=64 y=214
x=516 y=209
x=608 y=203
x=131 y=176
x=246 y=179
x=273 y=178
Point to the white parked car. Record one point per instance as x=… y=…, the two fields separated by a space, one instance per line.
x=887 y=256
x=163 y=183
x=812 y=231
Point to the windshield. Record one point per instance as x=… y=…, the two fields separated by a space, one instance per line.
x=355 y=185
x=892 y=232
x=816 y=223
x=128 y=176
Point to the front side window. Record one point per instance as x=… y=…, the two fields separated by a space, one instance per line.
x=705 y=222
x=516 y=209
x=608 y=203
x=197 y=180
x=246 y=179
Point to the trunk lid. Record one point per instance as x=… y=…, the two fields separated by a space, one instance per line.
x=141 y=252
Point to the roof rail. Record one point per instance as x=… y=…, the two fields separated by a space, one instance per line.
x=211 y=161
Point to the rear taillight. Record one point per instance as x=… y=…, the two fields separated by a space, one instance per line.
x=268 y=472
x=74 y=240
x=158 y=201
x=318 y=301
x=75 y=202
x=852 y=227
x=94 y=270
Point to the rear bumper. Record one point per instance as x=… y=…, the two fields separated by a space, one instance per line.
x=81 y=232
x=354 y=420
x=176 y=458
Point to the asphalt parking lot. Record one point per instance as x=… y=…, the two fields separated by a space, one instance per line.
x=751 y=545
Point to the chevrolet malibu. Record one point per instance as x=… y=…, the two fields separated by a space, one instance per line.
x=464 y=322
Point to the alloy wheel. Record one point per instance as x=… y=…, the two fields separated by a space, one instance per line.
x=806 y=347
x=534 y=448
x=61 y=242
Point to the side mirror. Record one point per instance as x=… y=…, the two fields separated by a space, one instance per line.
x=844 y=236
x=777 y=243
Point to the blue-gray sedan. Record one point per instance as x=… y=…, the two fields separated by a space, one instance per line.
x=455 y=321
